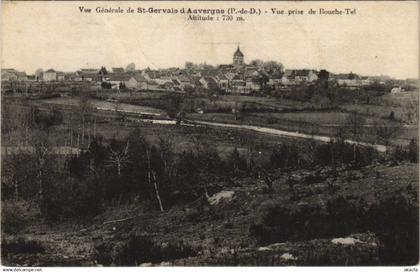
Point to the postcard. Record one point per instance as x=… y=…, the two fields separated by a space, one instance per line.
x=209 y=133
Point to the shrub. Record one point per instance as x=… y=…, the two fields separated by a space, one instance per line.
x=71 y=199
x=409 y=153
x=141 y=249
x=394 y=220
x=12 y=218
x=21 y=245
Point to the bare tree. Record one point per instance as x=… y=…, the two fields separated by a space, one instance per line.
x=119 y=158
x=354 y=129
x=40 y=143
x=84 y=112
x=15 y=170
x=151 y=178
x=412 y=109
x=166 y=147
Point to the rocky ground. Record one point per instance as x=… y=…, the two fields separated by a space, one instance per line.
x=318 y=217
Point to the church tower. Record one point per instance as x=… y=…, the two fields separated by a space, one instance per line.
x=238 y=58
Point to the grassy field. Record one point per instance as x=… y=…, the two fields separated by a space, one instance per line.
x=114 y=94
x=69 y=101
x=283 y=113
x=319 y=123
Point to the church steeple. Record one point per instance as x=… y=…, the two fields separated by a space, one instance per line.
x=238 y=57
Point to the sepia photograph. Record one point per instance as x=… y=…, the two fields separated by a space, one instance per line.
x=209 y=133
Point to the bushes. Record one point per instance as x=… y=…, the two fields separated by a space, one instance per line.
x=141 y=249
x=21 y=245
x=312 y=154
x=12 y=218
x=70 y=198
x=408 y=153
x=393 y=218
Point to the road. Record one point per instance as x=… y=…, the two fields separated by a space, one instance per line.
x=278 y=132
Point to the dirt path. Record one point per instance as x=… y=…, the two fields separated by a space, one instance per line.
x=273 y=131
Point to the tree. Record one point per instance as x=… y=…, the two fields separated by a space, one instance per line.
x=268 y=66
x=273 y=66
x=152 y=174
x=257 y=63
x=43 y=161
x=413 y=151
x=189 y=65
x=120 y=115
x=354 y=126
x=103 y=71
x=412 y=109
x=166 y=149
x=118 y=156
x=323 y=75
x=84 y=112
x=174 y=105
x=131 y=67
x=235 y=161
x=17 y=170
x=384 y=131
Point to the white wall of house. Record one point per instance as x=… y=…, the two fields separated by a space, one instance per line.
x=50 y=76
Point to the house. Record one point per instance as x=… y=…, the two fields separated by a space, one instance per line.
x=222 y=82
x=136 y=82
x=230 y=75
x=275 y=79
x=305 y=75
x=90 y=70
x=298 y=76
x=72 y=77
x=118 y=70
x=50 y=75
x=196 y=83
x=209 y=83
x=397 y=90
x=185 y=82
x=225 y=67
x=288 y=78
x=238 y=85
x=351 y=80
x=253 y=84
x=31 y=78
x=60 y=76
x=150 y=75
x=92 y=74
x=169 y=85
x=8 y=75
x=176 y=82
x=117 y=79
x=13 y=75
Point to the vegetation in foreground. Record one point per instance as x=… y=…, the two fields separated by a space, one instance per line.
x=303 y=192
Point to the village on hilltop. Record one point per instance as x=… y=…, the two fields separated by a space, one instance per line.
x=235 y=78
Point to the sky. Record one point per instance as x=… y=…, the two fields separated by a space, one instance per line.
x=381 y=39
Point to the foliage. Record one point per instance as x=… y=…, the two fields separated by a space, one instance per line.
x=12 y=218
x=408 y=153
x=311 y=154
